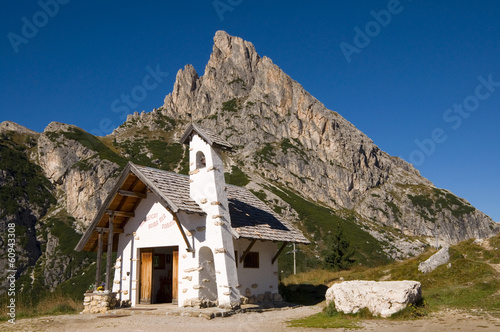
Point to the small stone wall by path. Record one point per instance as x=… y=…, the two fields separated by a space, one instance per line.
x=99 y=302
x=208 y=313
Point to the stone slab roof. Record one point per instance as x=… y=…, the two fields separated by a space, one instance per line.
x=209 y=136
x=253 y=219
x=250 y=217
x=171 y=186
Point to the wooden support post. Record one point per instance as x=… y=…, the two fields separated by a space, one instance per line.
x=99 y=259
x=189 y=248
x=279 y=252
x=247 y=250
x=109 y=257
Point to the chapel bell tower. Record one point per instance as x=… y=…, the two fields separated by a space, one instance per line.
x=208 y=189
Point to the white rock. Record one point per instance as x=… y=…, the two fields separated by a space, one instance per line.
x=439 y=258
x=382 y=298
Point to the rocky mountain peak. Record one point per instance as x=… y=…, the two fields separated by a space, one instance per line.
x=55 y=126
x=9 y=126
x=185 y=84
x=232 y=51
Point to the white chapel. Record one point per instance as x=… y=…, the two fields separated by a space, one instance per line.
x=188 y=240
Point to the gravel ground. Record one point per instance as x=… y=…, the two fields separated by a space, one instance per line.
x=251 y=322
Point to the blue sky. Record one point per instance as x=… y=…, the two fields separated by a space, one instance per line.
x=418 y=77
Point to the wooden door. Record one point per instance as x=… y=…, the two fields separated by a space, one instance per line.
x=175 y=273
x=146 y=276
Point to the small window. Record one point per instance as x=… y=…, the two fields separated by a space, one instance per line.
x=251 y=260
x=200 y=160
x=236 y=257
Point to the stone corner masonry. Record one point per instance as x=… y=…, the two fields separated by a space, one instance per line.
x=99 y=302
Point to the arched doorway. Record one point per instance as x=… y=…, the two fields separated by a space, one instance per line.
x=208 y=281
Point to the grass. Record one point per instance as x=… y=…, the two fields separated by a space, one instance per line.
x=324 y=321
x=54 y=304
x=470 y=282
x=431 y=201
x=266 y=154
x=24 y=180
x=322 y=221
x=260 y=194
x=165 y=122
x=91 y=142
x=33 y=295
x=236 y=177
x=232 y=105
x=395 y=210
x=286 y=145
x=446 y=200
x=168 y=156
x=83 y=165
x=239 y=81
x=331 y=318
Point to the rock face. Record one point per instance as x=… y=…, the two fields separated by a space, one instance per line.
x=70 y=160
x=382 y=298
x=9 y=126
x=439 y=258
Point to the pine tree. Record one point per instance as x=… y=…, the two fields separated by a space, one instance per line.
x=339 y=252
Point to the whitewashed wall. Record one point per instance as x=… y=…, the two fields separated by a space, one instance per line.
x=154 y=227
x=265 y=278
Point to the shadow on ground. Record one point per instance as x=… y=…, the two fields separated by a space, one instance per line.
x=304 y=294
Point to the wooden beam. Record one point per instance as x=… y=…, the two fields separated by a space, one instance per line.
x=116 y=230
x=189 y=248
x=109 y=286
x=99 y=259
x=247 y=250
x=132 y=194
x=121 y=213
x=279 y=252
x=131 y=188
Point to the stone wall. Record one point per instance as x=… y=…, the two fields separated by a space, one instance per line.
x=98 y=302
x=261 y=299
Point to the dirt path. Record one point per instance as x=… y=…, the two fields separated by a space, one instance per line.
x=248 y=322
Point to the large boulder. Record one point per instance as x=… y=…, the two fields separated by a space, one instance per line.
x=439 y=258
x=382 y=298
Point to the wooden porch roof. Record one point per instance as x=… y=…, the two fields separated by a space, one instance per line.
x=133 y=186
